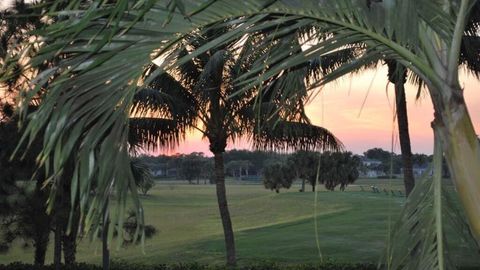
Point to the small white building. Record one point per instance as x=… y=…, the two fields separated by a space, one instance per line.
x=371 y=162
x=419 y=170
x=370 y=168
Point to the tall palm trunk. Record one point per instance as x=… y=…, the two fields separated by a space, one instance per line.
x=105 y=249
x=462 y=149
x=452 y=121
x=70 y=246
x=404 y=135
x=41 y=222
x=41 y=243
x=223 y=207
x=59 y=226
x=69 y=235
x=57 y=250
x=397 y=75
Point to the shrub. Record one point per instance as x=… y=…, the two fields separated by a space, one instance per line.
x=195 y=266
x=277 y=176
x=192 y=266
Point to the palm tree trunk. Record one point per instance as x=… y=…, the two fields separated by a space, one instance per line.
x=41 y=240
x=105 y=249
x=462 y=151
x=59 y=226
x=397 y=74
x=453 y=122
x=41 y=222
x=57 y=250
x=68 y=239
x=223 y=207
x=404 y=135
x=69 y=247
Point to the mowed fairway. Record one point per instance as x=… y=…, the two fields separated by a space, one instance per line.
x=352 y=225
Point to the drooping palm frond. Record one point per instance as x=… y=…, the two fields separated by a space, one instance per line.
x=325 y=64
x=430 y=226
x=93 y=107
x=470 y=54
x=153 y=133
x=165 y=97
x=209 y=83
x=295 y=135
x=141 y=174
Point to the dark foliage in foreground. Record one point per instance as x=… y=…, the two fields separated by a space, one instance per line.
x=194 y=266
x=130 y=266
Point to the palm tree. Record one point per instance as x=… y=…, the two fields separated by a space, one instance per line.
x=207 y=101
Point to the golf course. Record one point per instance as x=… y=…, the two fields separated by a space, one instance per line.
x=269 y=227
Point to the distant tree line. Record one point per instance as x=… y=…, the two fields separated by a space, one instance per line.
x=275 y=170
x=250 y=165
x=198 y=168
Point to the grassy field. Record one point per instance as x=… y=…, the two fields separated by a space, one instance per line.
x=352 y=225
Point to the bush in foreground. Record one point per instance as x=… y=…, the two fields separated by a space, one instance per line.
x=193 y=266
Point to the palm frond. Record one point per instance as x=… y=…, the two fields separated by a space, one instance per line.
x=295 y=135
x=430 y=226
x=166 y=97
x=188 y=72
x=153 y=133
x=141 y=172
x=470 y=54
x=325 y=64
x=210 y=81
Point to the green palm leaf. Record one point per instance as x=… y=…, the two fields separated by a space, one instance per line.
x=430 y=226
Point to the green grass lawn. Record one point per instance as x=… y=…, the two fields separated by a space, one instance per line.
x=352 y=225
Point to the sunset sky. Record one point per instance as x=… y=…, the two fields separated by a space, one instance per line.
x=361 y=129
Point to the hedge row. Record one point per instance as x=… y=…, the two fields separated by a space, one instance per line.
x=130 y=266
x=194 y=266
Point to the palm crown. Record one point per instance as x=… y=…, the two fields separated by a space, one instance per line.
x=200 y=94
